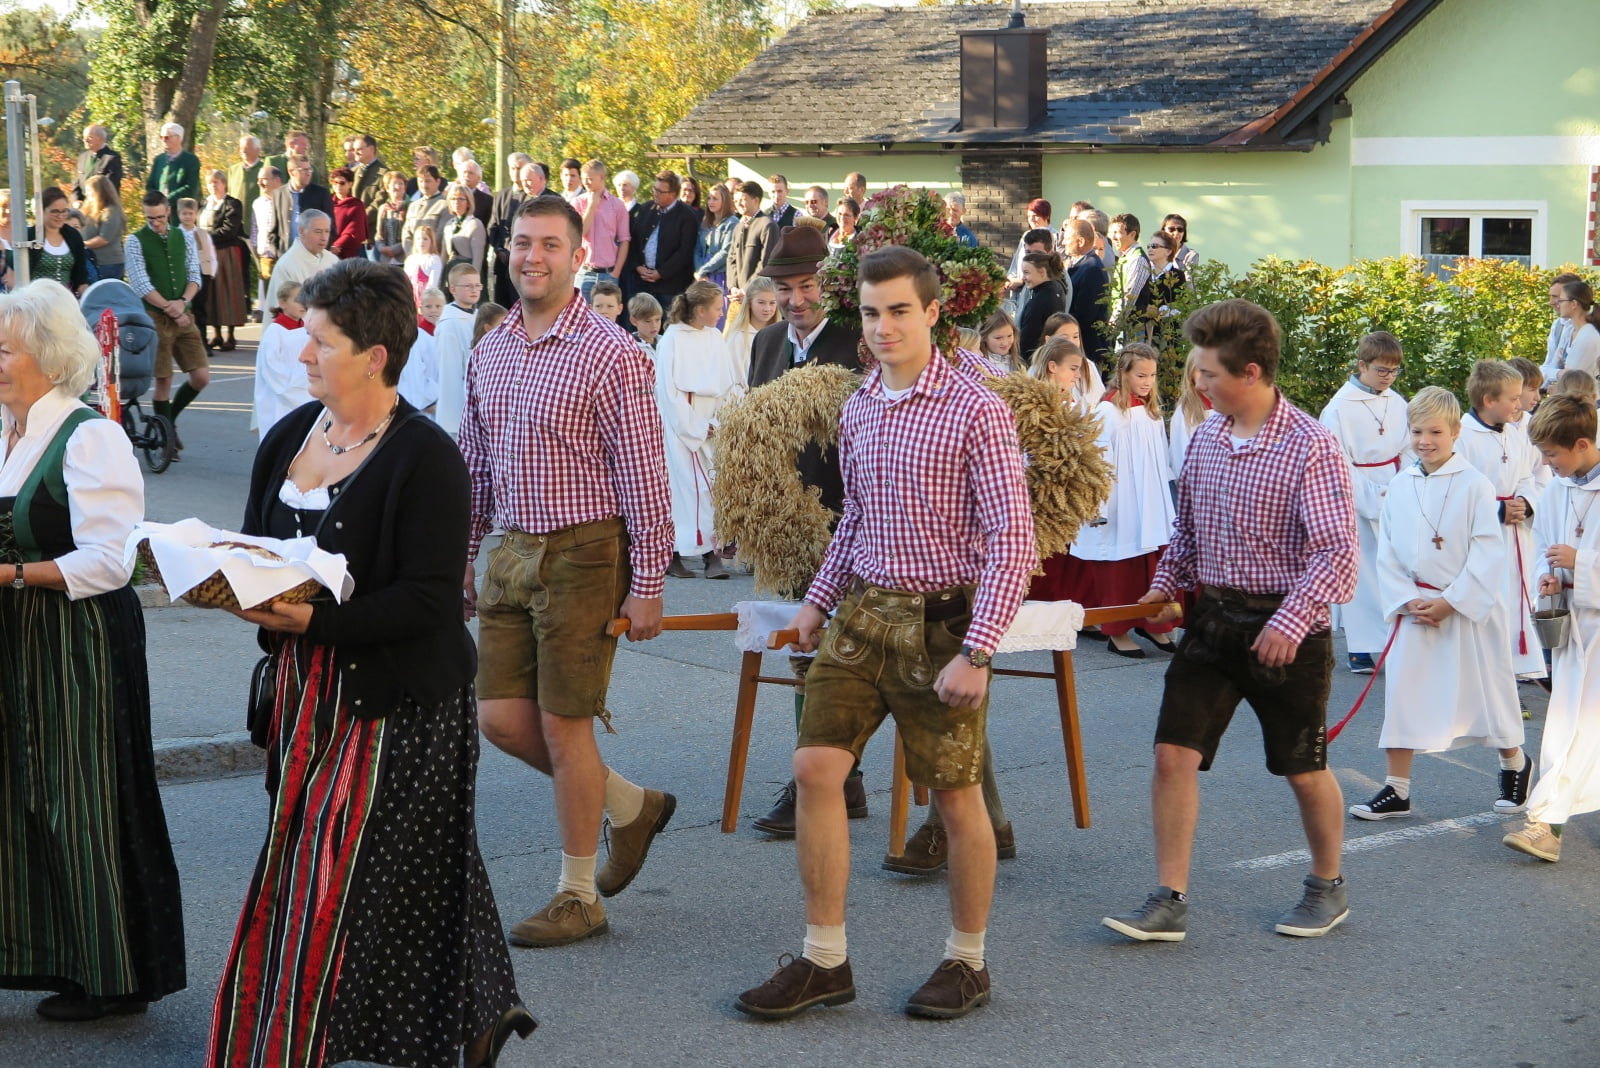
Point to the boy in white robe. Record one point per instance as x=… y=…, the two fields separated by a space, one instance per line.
x=452 y=344
x=1499 y=449
x=1567 y=537
x=1441 y=577
x=1369 y=419
x=281 y=384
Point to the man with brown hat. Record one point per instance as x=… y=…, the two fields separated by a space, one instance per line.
x=804 y=337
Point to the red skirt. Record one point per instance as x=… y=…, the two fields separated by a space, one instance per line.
x=1102 y=583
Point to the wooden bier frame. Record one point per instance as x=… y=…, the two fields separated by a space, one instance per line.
x=750 y=678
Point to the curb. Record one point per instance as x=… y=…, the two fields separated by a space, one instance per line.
x=188 y=759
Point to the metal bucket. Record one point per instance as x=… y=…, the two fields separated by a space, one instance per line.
x=1554 y=624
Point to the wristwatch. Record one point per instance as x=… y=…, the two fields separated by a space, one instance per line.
x=976 y=657
x=17 y=583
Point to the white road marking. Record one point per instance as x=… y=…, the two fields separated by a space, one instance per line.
x=1375 y=841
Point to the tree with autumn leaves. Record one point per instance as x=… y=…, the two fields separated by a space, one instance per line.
x=590 y=77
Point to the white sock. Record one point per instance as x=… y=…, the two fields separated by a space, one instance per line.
x=1514 y=763
x=965 y=947
x=825 y=945
x=1401 y=786
x=623 y=799
x=577 y=877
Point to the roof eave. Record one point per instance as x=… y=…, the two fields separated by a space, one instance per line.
x=1330 y=82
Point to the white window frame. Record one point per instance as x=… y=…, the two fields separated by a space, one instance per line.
x=1412 y=212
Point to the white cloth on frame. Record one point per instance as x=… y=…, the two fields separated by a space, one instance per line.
x=1451 y=685
x=1051 y=625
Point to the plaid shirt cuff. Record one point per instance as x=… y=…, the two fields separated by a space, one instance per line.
x=1291 y=623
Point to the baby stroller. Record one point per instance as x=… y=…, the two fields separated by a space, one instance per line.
x=136 y=341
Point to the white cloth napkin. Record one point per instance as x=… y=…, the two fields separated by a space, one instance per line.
x=1038 y=625
x=1043 y=625
x=184 y=554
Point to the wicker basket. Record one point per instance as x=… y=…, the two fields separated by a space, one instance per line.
x=215 y=592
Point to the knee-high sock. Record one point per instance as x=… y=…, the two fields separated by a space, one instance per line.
x=180 y=401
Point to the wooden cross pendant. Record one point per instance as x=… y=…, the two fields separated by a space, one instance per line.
x=1438 y=541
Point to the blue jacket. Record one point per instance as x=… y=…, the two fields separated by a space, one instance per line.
x=711 y=251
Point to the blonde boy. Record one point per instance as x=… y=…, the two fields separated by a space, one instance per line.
x=1567 y=534
x=1369 y=419
x=1498 y=447
x=1441 y=578
x=1576 y=383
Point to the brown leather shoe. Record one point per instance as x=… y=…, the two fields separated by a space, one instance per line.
x=927 y=853
x=567 y=919
x=1005 y=842
x=797 y=985
x=953 y=990
x=780 y=821
x=626 y=847
x=855 y=797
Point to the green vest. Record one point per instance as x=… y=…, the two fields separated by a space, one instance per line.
x=166 y=260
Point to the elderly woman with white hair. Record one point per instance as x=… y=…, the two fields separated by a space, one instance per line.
x=627 y=184
x=89 y=894
x=175 y=172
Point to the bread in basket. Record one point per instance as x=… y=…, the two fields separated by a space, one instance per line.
x=216 y=592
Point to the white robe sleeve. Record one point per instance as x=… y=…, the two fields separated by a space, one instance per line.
x=1368 y=495
x=679 y=416
x=1480 y=586
x=1396 y=587
x=105 y=499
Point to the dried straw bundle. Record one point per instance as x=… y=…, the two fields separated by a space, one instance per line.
x=780 y=524
x=1068 y=478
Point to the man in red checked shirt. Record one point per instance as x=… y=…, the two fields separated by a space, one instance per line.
x=563 y=444
x=926 y=569
x=1266 y=528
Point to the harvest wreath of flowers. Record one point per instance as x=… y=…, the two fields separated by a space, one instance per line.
x=780 y=524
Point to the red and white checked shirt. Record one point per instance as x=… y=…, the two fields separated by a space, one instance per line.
x=934 y=497
x=1275 y=517
x=564 y=429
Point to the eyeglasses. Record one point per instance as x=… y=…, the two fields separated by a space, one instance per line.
x=1173 y=230
x=1386 y=372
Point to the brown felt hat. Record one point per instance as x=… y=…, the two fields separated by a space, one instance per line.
x=801 y=250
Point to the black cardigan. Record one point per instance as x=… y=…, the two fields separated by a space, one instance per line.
x=402 y=527
x=1046 y=299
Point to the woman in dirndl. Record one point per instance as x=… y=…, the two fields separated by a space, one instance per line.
x=369 y=931
x=89 y=895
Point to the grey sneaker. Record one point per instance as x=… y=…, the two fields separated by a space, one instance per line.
x=1322 y=908
x=1535 y=839
x=1162 y=918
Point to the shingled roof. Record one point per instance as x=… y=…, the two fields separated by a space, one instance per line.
x=1125 y=72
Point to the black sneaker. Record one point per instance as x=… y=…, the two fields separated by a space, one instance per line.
x=1361 y=664
x=1385 y=805
x=1514 y=787
x=1162 y=918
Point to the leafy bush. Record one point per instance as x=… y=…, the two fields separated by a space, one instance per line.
x=1475 y=310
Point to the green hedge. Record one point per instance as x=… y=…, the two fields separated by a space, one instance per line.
x=1480 y=309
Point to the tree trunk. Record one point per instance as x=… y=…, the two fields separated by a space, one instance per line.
x=201 y=49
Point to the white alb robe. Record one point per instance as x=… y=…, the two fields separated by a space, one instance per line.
x=1569 y=755
x=281 y=385
x=695 y=376
x=1506 y=458
x=452 y=346
x=1178 y=434
x=1451 y=685
x=1376 y=441
x=1139 y=512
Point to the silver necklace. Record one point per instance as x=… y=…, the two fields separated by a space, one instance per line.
x=340 y=450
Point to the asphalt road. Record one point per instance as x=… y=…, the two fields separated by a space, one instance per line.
x=1457 y=951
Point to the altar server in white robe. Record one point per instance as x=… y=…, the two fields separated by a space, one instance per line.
x=695 y=376
x=1117 y=556
x=1369 y=419
x=452 y=348
x=1192 y=409
x=1492 y=442
x=1566 y=534
x=1441 y=579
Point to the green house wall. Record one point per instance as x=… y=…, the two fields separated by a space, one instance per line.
x=1483 y=103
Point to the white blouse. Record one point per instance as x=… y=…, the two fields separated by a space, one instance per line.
x=105 y=492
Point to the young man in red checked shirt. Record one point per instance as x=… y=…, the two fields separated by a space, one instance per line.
x=926 y=569
x=1266 y=528
x=563 y=444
